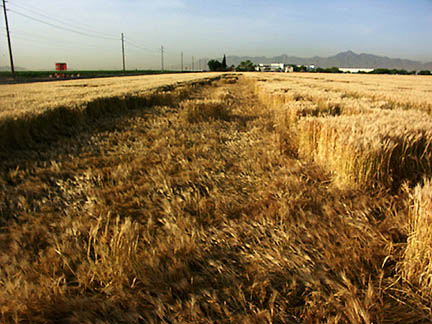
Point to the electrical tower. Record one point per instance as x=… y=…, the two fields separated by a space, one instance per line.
x=9 y=40
x=123 y=53
x=162 y=58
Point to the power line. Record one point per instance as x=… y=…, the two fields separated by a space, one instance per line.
x=140 y=47
x=36 y=9
x=76 y=29
x=53 y=42
x=62 y=21
x=141 y=52
x=50 y=44
x=61 y=27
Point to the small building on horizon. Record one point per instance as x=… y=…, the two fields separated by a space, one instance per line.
x=61 y=66
x=274 y=67
x=355 y=70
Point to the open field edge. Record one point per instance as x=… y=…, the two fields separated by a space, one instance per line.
x=31 y=128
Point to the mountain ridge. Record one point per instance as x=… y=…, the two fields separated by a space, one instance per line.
x=347 y=59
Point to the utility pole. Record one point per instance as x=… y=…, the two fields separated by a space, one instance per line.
x=182 y=61
x=123 y=52
x=162 y=58
x=9 y=40
x=193 y=63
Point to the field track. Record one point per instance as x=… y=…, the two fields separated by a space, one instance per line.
x=194 y=208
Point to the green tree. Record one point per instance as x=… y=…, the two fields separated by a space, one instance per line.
x=214 y=65
x=224 y=63
x=328 y=70
x=389 y=71
x=246 y=66
x=303 y=68
x=424 y=72
x=296 y=68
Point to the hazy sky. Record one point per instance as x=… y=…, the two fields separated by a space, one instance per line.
x=395 y=28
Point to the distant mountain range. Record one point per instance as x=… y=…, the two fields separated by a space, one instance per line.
x=347 y=59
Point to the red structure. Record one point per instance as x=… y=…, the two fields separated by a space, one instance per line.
x=61 y=67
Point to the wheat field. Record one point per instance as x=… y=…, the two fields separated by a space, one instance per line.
x=388 y=90
x=209 y=198
x=35 y=98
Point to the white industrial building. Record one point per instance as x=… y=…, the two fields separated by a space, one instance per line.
x=274 y=67
x=355 y=70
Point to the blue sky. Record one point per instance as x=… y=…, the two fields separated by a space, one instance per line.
x=306 y=28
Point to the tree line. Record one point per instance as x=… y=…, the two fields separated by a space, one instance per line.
x=215 y=65
x=248 y=65
x=400 y=72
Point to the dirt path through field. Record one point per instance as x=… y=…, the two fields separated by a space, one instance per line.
x=191 y=214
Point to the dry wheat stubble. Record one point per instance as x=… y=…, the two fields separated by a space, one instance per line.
x=194 y=214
